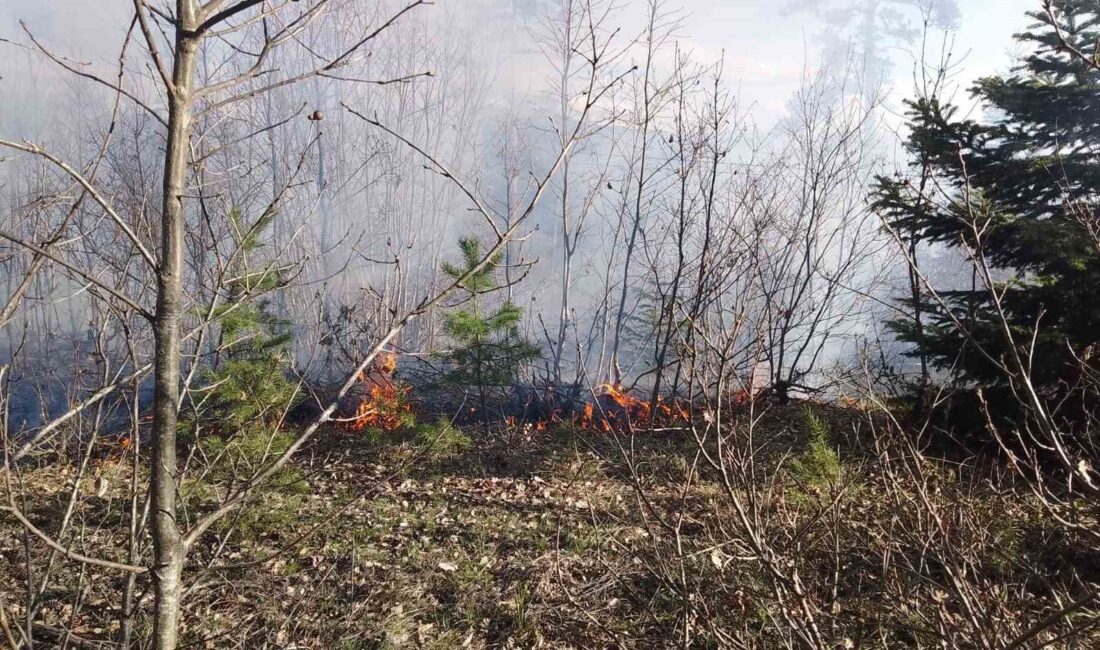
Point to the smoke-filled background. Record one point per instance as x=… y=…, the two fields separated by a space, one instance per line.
x=366 y=227
x=549 y=324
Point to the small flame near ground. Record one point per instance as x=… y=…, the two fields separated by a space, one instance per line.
x=614 y=409
x=386 y=406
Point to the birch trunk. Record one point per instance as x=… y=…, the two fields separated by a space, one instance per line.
x=168 y=551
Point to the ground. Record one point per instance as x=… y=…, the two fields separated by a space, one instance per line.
x=513 y=539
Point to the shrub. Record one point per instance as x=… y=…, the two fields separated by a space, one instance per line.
x=819 y=464
x=442 y=439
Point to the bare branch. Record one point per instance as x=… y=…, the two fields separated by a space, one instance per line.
x=69 y=553
x=64 y=63
x=343 y=59
x=92 y=191
x=86 y=276
x=151 y=44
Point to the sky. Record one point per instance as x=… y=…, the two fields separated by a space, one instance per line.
x=766 y=45
x=765 y=42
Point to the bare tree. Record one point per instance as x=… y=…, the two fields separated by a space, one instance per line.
x=651 y=97
x=820 y=236
x=175 y=57
x=213 y=61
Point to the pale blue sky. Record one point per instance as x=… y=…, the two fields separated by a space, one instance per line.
x=765 y=44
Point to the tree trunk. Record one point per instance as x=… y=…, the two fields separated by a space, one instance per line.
x=168 y=551
x=614 y=372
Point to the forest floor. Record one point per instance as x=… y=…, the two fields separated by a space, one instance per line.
x=519 y=539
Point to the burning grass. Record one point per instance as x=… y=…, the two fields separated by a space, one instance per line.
x=612 y=409
x=386 y=406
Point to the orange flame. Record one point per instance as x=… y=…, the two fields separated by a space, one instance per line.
x=636 y=409
x=387 y=362
x=387 y=406
x=622 y=410
x=385 y=409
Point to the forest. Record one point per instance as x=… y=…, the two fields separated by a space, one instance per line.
x=378 y=324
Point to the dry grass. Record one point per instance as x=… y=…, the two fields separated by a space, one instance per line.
x=544 y=540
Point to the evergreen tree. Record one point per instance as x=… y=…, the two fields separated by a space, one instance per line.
x=248 y=386
x=239 y=420
x=1021 y=190
x=488 y=349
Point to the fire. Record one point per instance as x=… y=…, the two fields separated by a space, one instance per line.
x=855 y=403
x=628 y=405
x=387 y=363
x=616 y=393
x=387 y=405
x=385 y=409
x=616 y=409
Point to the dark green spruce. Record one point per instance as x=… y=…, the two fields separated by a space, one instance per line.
x=1026 y=176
